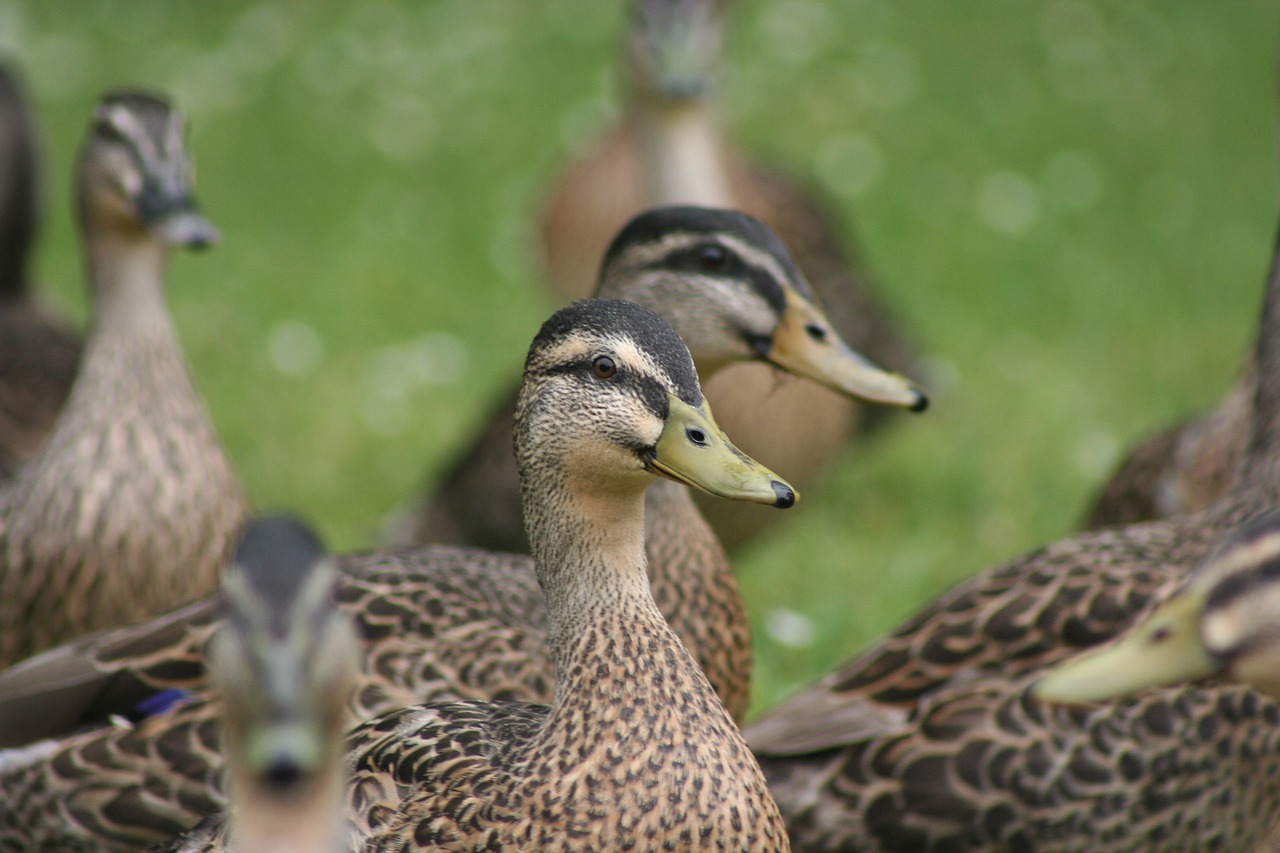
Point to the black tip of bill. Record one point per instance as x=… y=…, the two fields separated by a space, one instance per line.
x=786 y=496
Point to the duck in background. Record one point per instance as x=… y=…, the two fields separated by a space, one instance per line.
x=670 y=148
x=131 y=506
x=39 y=350
x=934 y=737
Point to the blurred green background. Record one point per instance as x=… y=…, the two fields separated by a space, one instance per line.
x=1070 y=205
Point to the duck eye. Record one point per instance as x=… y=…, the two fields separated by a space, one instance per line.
x=713 y=257
x=604 y=367
x=815 y=331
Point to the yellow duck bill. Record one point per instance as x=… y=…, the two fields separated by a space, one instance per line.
x=807 y=345
x=1166 y=648
x=693 y=450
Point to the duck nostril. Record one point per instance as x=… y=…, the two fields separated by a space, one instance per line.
x=697 y=436
x=283 y=772
x=817 y=332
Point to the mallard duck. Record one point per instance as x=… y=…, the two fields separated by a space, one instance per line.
x=1222 y=620
x=439 y=622
x=284 y=663
x=635 y=752
x=670 y=148
x=38 y=350
x=932 y=739
x=131 y=505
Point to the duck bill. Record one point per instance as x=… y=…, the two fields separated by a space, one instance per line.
x=693 y=450
x=171 y=216
x=1164 y=649
x=807 y=345
x=184 y=227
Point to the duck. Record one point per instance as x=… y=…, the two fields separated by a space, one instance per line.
x=635 y=751
x=670 y=148
x=39 y=349
x=284 y=662
x=131 y=505
x=437 y=622
x=1222 y=621
x=934 y=738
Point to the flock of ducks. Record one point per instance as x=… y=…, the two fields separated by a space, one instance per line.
x=590 y=696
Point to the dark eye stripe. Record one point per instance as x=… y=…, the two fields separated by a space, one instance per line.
x=731 y=265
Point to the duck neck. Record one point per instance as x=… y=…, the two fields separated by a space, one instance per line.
x=1265 y=433
x=588 y=545
x=693 y=585
x=132 y=338
x=19 y=190
x=684 y=157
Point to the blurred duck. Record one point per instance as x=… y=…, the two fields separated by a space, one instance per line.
x=934 y=739
x=669 y=149
x=1225 y=619
x=38 y=350
x=439 y=623
x=284 y=663
x=635 y=751
x=130 y=506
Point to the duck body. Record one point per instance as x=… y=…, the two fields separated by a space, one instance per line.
x=932 y=740
x=131 y=506
x=39 y=350
x=616 y=796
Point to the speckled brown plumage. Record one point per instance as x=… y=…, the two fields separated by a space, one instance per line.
x=38 y=350
x=929 y=740
x=635 y=752
x=131 y=505
x=669 y=148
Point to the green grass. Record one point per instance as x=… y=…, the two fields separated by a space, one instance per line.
x=1070 y=204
